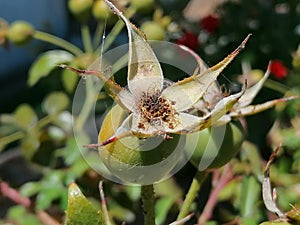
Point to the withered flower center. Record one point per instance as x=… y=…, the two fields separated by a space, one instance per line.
x=155 y=109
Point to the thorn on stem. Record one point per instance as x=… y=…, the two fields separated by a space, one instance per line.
x=78 y=71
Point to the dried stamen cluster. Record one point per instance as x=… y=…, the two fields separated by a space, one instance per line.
x=155 y=109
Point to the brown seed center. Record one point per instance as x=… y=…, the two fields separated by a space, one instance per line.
x=155 y=110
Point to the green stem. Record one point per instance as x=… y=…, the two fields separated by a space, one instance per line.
x=148 y=201
x=10 y=138
x=42 y=36
x=99 y=34
x=44 y=122
x=89 y=101
x=86 y=38
x=276 y=86
x=192 y=194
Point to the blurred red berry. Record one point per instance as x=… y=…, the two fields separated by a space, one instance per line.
x=189 y=39
x=277 y=69
x=210 y=23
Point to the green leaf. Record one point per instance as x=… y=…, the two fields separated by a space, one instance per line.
x=169 y=188
x=46 y=63
x=51 y=188
x=69 y=80
x=120 y=213
x=162 y=208
x=55 y=103
x=47 y=195
x=250 y=198
x=70 y=152
x=21 y=216
x=275 y=222
x=30 y=188
x=25 y=116
x=251 y=154
x=79 y=167
x=230 y=191
x=80 y=210
x=211 y=223
x=133 y=192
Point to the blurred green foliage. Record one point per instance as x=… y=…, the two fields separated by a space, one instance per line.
x=43 y=130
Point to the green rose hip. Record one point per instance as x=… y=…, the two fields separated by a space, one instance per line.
x=20 y=33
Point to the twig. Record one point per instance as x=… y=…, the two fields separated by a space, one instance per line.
x=183 y=220
x=16 y=197
x=212 y=200
x=46 y=219
x=103 y=203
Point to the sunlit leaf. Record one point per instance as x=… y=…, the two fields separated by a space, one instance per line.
x=133 y=192
x=162 y=208
x=80 y=210
x=46 y=63
x=55 y=102
x=30 y=188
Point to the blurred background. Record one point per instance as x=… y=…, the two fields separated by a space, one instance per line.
x=31 y=84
